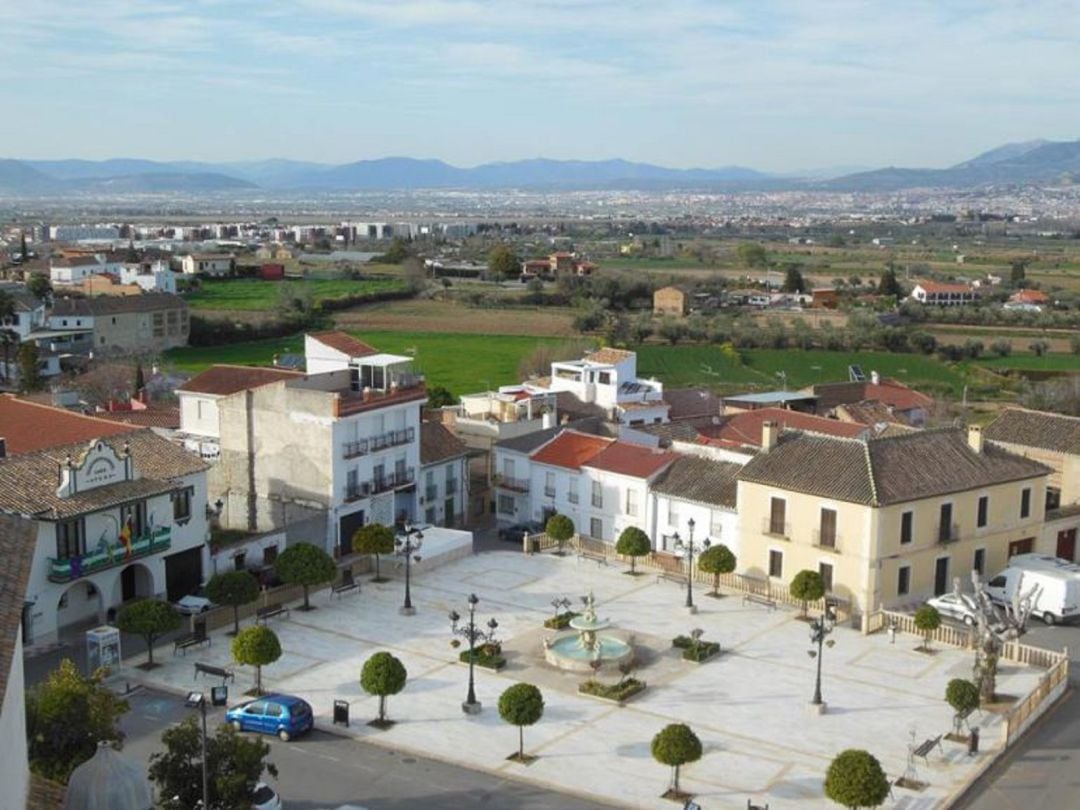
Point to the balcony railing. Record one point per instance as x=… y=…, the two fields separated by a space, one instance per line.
x=948 y=533
x=393 y=438
x=509 y=482
x=549 y=491
x=826 y=540
x=72 y=568
x=394 y=480
x=776 y=528
x=572 y=496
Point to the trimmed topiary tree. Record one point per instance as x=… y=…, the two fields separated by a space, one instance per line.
x=305 y=564
x=383 y=675
x=676 y=745
x=963 y=696
x=716 y=560
x=521 y=705
x=807 y=586
x=855 y=779
x=374 y=539
x=256 y=647
x=927 y=619
x=233 y=588
x=633 y=543
x=149 y=618
x=559 y=528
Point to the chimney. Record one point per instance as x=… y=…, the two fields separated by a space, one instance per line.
x=547 y=420
x=975 y=438
x=875 y=378
x=770 y=432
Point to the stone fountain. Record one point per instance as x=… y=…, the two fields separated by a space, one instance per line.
x=580 y=651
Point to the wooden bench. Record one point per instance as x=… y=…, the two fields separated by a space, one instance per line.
x=217 y=672
x=190 y=640
x=678 y=577
x=760 y=599
x=269 y=612
x=348 y=583
x=926 y=746
x=597 y=556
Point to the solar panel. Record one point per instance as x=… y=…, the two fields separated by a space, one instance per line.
x=855 y=374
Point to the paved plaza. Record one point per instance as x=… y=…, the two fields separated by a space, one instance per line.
x=748 y=706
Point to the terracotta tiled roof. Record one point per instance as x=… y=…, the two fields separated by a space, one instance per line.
x=1046 y=431
x=626 y=458
x=344 y=343
x=869 y=412
x=745 y=427
x=701 y=480
x=28 y=483
x=689 y=403
x=939 y=287
x=883 y=471
x=30 y=426
x=18 y=541
x=889 y=392
x=1030 y=297
x=168 y=418
x=528 y=442
x=116 y=304
x=223 y=380
x=439 y=444
x=608 y=356
x=570 y=449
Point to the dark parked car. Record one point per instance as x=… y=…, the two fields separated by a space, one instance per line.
x=286 y=716
x=516 y=532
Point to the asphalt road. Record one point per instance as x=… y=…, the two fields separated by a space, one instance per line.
x=1041 y=772
x=323 y=770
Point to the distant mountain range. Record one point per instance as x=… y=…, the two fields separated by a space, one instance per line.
x=1030 y=162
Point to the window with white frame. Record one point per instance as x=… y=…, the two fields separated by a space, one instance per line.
x=631 y=501
x=506 y=505
x=549 y=484
x=716 y=523
x=572 y=491
x=673 y=514
x=597 y=494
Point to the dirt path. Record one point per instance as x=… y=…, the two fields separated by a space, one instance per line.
x=449 y=316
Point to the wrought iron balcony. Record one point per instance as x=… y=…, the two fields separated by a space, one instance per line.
x=70 y=569
x=776 y=528
x=393 y=480
x=826 y=540
x=383 y=441
x=948 y=533
x=509 y=482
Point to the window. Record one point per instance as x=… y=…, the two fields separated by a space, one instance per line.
x=673 y=514
x=270 y=555
x=1025 y=502
x=906 y=520
x=979 y=564
x=825 y=569
x=604 y=378
x=597 y=495
x=596 y=528
x=429 y=515
x=631 y=501
x=506 y=505
x=572 y=491
x=716 y=523
x=945 y=527
x=776 y=563
x=1053 y=498
x=508 y=468
x=777 y=513
x=903 y=580
x=984 y=508
x=70 y=539
x=549 y=484
x=827 y=531
x=273 y=710
x=181 y=505
x=240 y=561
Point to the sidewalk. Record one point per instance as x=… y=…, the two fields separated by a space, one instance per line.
x=749 y=706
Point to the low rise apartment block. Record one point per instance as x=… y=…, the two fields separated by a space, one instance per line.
x=130 y=324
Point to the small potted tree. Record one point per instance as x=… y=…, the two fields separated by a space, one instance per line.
x=676 y=745
x=383 y=675
x=305 y=564
x=149 y=618
x=807 y=586
x=521 y=705
x=963 y=696
x=233 y=588
x=256 y=646
x=927 y=620
x=374 y=539
x=633 y=543
x=716 y=560
x=559 y=528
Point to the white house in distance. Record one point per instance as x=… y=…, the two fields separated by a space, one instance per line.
x=208 y=264
x=76 y=269
x=149 y=276
x=119 y=514
x=608 y=378
x=444 y=476
x=697 y=488
x=937 y=294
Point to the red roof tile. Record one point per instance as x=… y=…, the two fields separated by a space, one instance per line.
x=223 y=380
x=896 y=394
x=745 y=428
x=570 y=449
x=150 y=417
x=939 y=287
x=634 y=460
x=30 y=426
x=344 y=343
x=1030 y=297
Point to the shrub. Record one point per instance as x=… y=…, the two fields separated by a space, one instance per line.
x=623 y=690
x=560 y=621
x=383 y=675
x=487 y=655
x=807 y=586
x=560 y=528
x=676 y=745
x=927 y=619
x=855 y=779
x=716 y=560
x=963 y=696
x=633 y=543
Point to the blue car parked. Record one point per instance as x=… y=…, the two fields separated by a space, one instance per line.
x=286 y=716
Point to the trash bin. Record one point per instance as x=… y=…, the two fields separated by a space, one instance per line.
x=973 y=742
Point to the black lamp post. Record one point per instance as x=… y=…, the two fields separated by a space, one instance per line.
x=688 y=547
x=473 y=634
x=407 y=546
x=820 y=628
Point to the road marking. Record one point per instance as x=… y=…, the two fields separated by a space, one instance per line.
x=315 y=754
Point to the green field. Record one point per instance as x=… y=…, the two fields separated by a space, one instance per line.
x=255 y=295
x=1030 y=362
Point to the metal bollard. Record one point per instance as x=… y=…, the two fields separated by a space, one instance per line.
x=973 y=742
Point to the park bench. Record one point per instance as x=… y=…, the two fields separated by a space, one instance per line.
x=348 y=583
x=270 y=611
x=926 y=746
x=217 y=672
x=760 y=599
x=597 y=556
x=195 y=637
x=678 y=577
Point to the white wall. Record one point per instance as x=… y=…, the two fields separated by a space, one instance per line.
x=321 y=358
x=199 y=414
x=14 y=766
x=707 y=518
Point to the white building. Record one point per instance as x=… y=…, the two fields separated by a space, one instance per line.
x=149 y=276
x=444 y=476
x=16 y=553
x=77 y=269
x=208 y=264
x=700 y=489
x=608 y=378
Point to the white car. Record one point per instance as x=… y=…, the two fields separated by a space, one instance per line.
x=192 y=604
x=960 y=607
x=265 y=798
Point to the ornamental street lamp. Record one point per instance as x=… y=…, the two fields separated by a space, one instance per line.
x=819 y=629
x=473 y=634
x=406 y=546
x=196 y=700
x=688 y=547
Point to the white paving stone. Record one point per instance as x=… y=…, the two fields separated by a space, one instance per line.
x=749 y=706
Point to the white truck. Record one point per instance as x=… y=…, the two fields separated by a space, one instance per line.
x=1056 y=596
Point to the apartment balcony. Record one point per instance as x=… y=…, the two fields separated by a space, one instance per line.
x=776 y=528
x=70 y=569
x=509 y=482
x=829 y=541
x=948 y=533
x=374 y=444
x=394 y=480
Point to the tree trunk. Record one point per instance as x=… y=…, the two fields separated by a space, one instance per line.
x=676 y=782
x=382 y=708
x=150 y=649
x=632 y=561
x=716 y=584
x=521 y=743
x=378 y=576
x=258 y=681
x=236 y=620
x=306 y=605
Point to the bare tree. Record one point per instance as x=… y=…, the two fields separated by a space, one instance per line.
x=994 y=628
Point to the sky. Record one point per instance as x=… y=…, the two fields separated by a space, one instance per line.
x=776 y=85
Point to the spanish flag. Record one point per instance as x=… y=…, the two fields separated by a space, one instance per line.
x=125 y=539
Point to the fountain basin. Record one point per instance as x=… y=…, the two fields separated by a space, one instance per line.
x=567 y=653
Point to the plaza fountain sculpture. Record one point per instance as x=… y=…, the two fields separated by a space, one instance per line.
x=587 y=649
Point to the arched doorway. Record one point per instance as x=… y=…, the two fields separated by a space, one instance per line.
x=80 y=606
x=134 y=581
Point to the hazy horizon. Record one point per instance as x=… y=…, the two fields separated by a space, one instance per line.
x=776 y=86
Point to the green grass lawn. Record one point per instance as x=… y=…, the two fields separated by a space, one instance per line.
x=1030 y=362
x=255 y=294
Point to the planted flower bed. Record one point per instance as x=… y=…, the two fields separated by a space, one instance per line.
x=560 y=622
x=694 y=649
x=486 y=655
x=623 y=690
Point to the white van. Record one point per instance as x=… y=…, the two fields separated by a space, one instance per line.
x=1057 y=595
x=1043 y=562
